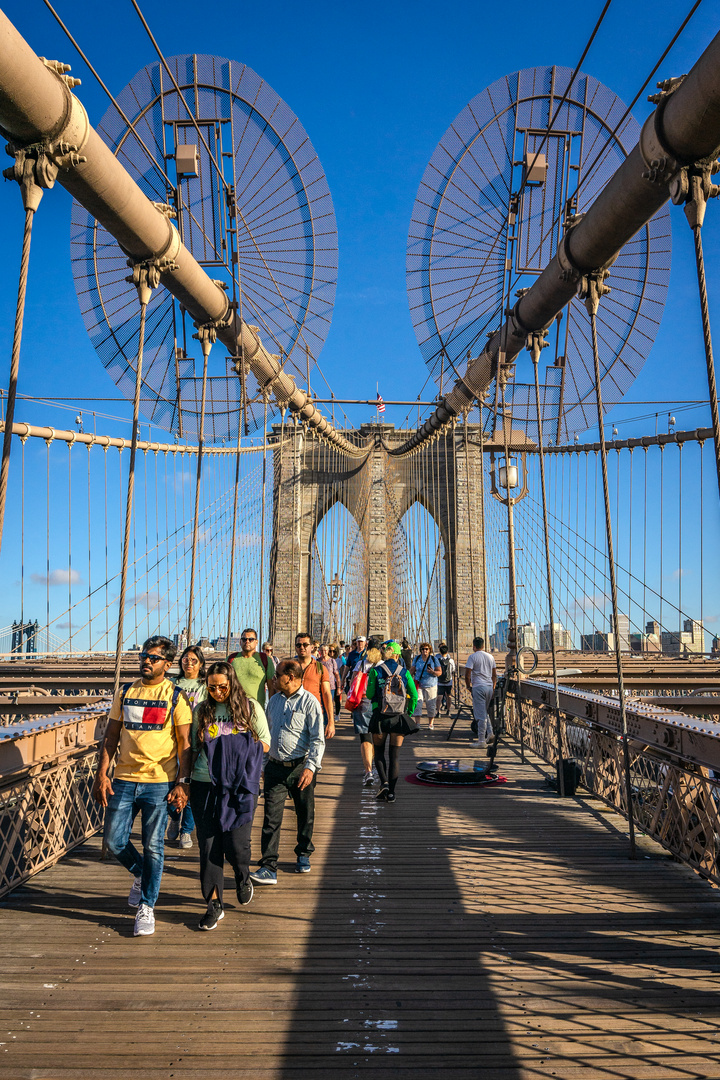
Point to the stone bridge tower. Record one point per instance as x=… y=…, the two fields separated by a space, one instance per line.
x=377 y=488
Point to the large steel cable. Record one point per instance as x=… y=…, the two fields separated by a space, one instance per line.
x=130 y=488
x=593 y=289
x=15 y=362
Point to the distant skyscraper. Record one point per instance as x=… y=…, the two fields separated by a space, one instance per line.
x=527 y=637
x=688 y=641
x=623 y=632
x=561 y=635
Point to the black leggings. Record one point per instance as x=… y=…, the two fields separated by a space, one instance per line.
x=216 y=845
x=387 y=775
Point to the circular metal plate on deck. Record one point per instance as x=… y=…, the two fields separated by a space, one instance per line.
x=453 y=771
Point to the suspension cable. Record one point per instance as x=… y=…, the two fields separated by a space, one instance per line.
x=592 y=289
x=130 y=491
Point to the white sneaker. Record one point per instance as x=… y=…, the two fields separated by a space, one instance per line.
x=481 y=744
x=185 y=840
x=135 y=892
x=368 y=779
x=144 y=921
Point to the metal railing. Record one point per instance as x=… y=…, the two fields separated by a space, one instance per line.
x=47 y=769
x=673 y=791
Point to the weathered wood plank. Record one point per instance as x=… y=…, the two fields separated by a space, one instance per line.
x=499 y=930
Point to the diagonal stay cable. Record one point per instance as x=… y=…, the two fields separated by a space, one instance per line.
x=92 y=70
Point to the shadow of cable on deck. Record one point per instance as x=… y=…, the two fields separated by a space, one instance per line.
x=501 y=930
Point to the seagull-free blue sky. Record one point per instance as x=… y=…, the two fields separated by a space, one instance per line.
x=375 y=85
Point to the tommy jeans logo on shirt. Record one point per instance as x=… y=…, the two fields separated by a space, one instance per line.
x=139 y=714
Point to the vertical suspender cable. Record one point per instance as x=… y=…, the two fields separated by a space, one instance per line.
x=130 y=494
x=206 y=337
x=535 y=349
x=262 y=520
x=15 y=363
x=593 y=292
x=228 y=650
x=707 y=339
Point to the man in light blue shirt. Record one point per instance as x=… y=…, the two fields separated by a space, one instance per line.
x=425 y=670
x=297 y=744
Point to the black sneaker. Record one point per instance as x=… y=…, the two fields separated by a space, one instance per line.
x=390 y=797
x=212 y=916
x=383 y=793
x=245 y=893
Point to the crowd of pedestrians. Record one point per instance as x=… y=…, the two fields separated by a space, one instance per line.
x=191 y=754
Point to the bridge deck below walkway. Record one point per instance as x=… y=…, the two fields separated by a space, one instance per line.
x=496 y=931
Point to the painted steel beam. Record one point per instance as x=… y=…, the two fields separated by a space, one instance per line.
x=684 y=128
x=682 y=737
x=38 y=107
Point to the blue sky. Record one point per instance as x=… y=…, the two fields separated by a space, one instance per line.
x=375 y=85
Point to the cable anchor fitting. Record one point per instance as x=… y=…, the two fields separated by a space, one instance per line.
x=536 y=342
x=592 y=288
x=693 y=187
x=207 y=336
x=35 y=170
x=146 y=275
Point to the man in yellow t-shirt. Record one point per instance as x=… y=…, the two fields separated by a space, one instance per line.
x=149 y=729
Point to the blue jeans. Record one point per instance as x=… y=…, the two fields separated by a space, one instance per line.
x=185 y=817
x=150 y=801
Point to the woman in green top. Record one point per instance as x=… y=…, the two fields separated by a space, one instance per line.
x=229 y=734
x=192 y=681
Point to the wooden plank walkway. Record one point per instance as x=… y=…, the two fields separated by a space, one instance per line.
x=497 y=932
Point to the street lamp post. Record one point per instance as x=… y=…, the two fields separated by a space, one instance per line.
x=505 y=476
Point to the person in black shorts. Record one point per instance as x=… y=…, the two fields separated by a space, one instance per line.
x=445 y=681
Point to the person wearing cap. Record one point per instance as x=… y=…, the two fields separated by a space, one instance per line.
x=358 y=648
x=445 y=680
x=362 y=714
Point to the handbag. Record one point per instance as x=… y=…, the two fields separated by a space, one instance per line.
x=393 y=724
x=357 y=690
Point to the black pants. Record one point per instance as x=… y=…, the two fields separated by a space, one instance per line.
x=215 y=845
x=280 y=782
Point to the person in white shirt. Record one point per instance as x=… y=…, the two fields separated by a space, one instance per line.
x=480 y=679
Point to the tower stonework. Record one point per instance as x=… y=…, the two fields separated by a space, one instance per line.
x=377 y=487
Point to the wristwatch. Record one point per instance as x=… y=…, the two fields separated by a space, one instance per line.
x=183 y=780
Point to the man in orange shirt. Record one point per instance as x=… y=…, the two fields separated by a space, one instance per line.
x=315 y=678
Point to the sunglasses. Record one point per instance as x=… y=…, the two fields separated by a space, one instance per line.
x=153 y=657
x=221 y=689
x=243 y=638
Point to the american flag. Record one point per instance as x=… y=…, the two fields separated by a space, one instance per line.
x=380 y=404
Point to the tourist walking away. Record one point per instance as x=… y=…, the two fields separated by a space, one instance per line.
x=406 y=653
x=394 y=696
x=425 y=670
x=192 y=681
x=480 y=679
x=229 y=735
x=445 y=679
x=255 y=670
x=297 y=744
x=361 y=707
x=149 y=729
x=316 y=679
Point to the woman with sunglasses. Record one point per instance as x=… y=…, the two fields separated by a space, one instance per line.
x=192 y=681
x=229 y=734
